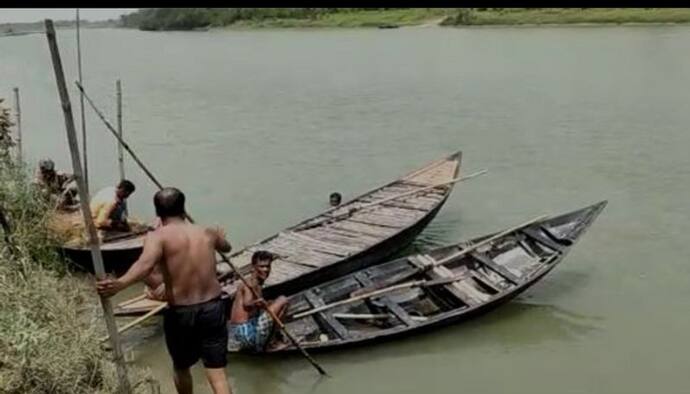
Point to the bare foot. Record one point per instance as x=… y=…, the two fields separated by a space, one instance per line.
x=276 y=346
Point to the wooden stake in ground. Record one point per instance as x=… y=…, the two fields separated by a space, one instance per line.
x=120 y=152
x=96 y=256
x=223 y=256
x=81 y=107
x=18 y=123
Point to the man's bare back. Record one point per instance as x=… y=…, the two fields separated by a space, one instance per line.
x=188 y=263
x=184 y=252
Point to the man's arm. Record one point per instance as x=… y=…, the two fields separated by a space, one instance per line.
x=103 y=218
x=220 y=242
x=248 y=302
x=152 y=254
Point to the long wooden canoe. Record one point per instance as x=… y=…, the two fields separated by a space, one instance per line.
x=426 y=291
x=349 y=237
x=118 y=254
x=119 y=249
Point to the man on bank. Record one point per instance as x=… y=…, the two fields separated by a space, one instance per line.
x=109 y=207
x=195 y=322
x=57 y=186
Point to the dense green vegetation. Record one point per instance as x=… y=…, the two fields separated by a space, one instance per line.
x=519 y=16
x=201 y=18
x=194 y=18
x=49 y=324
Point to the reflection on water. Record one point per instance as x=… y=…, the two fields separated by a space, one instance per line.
x=438 y=233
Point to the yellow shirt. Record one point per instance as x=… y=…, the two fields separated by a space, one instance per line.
x=106 y=209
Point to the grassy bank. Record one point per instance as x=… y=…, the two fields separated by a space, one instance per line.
x=200 y=18
x=205 y=18
x=49 y=319
x=540 y=16
x=374 y=18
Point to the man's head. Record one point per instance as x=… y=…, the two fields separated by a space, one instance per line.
x=46 y=166
x=335 y=199
x=124 y=189
x=261 y=263
x=169 y=202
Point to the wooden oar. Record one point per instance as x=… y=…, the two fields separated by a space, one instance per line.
x=138 y=320
x=131 y=300
x=377 y=293
x=222 y=255
x=387 y=199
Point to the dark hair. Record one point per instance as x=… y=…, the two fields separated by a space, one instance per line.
x=335 y=195
x=169 y=202
x=127 y=186
x=262 y=255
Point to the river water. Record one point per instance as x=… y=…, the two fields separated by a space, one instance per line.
x=258 y=127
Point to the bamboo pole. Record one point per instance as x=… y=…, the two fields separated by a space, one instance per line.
x=120 y=152
x=222 y=255
x=124 y=386
x=458 y=254
x=488 y=240
x=138 y=320
x=378 y=293
x=18 y=123
x=81 y=107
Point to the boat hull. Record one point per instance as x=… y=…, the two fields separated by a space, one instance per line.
x=516 y=260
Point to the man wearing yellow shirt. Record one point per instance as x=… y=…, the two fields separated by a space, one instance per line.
x=109 y=207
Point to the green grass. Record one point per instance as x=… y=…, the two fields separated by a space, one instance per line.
x=522 y=16
x=400 y=17
x=49 y=319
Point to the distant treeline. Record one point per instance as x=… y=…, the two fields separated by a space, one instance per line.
x=194 y=18
x=197 y=18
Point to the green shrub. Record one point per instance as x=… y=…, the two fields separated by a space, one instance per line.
x=49 y=319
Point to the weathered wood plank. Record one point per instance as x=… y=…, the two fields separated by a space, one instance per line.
x=465 y=295
x=542 y=239
x=325 y=318
x=393 y=307
x=499 y=269
x=333 y=237
x=314 y=241
x=368 y=229
x=281 y=269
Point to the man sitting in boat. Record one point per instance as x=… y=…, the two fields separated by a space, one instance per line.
x=250 y=323
x=57 y=186
x=109 y=207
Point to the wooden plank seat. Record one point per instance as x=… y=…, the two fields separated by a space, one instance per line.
x=325 y=318
x=542 y=239
x=386 y=302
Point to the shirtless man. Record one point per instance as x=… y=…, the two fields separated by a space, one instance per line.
x=251 y=325
x=195 y=322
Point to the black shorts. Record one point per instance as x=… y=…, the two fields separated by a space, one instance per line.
x=197 y=331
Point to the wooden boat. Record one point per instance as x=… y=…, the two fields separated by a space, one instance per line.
x=349 y=237
x=120 y=250
x=118 y=253
x=425 y=291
